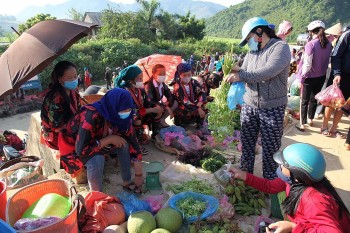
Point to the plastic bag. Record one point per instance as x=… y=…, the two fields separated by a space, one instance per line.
x=331 y=97
x=172 y=129
x=191 y=143
x=170 y=136
x=295 y=87
x=132 y=204
x=293 y=103
x=226 y=210
x=155 y=202
x=235 y=95
x=31 y=224
x=212 y=204
x=291 y=79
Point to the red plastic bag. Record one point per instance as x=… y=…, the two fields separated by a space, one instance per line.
x=331 y=97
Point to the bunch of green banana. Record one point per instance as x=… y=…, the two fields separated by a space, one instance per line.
x=223 y=226
x=246 y=200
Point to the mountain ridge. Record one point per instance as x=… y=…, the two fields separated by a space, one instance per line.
x=173 y=6
x=300 y=13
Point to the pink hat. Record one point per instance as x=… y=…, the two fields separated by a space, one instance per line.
x=284 y=27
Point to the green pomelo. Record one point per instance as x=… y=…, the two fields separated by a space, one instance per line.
x=169 y=219
x=160 y=230
x=141 y=222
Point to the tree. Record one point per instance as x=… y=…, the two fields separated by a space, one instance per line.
x=75 y=14
x=190 y=27
x=166 y=25
x=149 y=11
x=34 y=20
x=117 y=24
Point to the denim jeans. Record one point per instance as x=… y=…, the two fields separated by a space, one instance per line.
x=94 y=170
x=123 y=155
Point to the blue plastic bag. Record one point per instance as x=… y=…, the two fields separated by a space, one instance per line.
x=235 y=95
x=212 y=204
x=132 y=204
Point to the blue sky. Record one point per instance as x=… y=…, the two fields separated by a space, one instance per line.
x=12 y=7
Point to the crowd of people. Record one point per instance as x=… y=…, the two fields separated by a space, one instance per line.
x=115 y=124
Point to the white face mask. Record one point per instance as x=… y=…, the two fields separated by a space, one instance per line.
x=186 y=80
x=161 y=79
x=138 y=85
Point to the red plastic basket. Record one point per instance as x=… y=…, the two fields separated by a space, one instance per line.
x=25 y=197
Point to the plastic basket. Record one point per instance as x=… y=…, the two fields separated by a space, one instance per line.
x=276 y=201
x=212 y=204
x=26 y=196
x=21 y=159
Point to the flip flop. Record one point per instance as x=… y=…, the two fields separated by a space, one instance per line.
x=144 y=151
x=346 y=146
x=299 y=128
x=130 y=188
x=325 y=132
x=338 y=134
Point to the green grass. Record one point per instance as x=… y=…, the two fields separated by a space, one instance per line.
x=4 y=39
x=222 y=39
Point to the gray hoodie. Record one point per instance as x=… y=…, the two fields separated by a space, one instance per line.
x=265 y=73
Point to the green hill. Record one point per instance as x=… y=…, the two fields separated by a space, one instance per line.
x=300 y=13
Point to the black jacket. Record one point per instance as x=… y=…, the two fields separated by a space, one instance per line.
x=340 y=58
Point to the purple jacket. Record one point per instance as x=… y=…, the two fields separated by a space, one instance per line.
x=315 y=60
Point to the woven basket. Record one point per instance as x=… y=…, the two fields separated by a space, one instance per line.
x=90 y=99
x=26 y=196
x=21 y=159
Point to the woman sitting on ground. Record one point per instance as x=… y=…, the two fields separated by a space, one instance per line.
x=210 y=81
x=190 y=97
x=146 y=112
x=159 y=93
x=312 y=203
x=104 y=127
x=60 y=103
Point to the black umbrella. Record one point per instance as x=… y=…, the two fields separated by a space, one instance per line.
x=35 y=49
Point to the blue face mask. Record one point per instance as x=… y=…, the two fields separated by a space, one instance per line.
x=252 y=44
x=282 y=176
x=71 y=85
x=124 y=115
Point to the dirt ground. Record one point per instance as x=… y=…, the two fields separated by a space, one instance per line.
x=338 y=159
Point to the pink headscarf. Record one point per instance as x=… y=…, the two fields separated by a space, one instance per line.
x=283 y=29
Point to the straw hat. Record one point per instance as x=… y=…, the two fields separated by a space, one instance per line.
x=335 y=29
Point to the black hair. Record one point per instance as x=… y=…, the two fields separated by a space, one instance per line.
x=59 y=70
x=269 y=31
x=214 y=80
x=290 y=204
x=55 y=86
x=321 y=36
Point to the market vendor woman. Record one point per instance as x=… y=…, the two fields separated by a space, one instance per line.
x=103 y=127
x=190 y=97
x=312 y=203
x=146 y=112
x=60 y=103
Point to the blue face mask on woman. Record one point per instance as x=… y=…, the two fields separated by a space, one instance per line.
x=124 y=115
x=252 y=44
x=282 y=176
x=71 y=85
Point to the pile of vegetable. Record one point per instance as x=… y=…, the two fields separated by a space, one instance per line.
x=246 y=200
x=214 y=162
x=190 y=206
x=222 y=121
x=208 y=159
x=194 y=185
x=223 y=226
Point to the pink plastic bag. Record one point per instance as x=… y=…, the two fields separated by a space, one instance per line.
x=226 y=210
x=191 y=143
x=331 y=97
x=169 y=136
x=156 y=202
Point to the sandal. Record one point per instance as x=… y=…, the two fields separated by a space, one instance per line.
x=299 y=128
x=338 y=134
x=144 y=151
x=346 y=146
x=325 y=132
x=138 y=190
x=131 y=187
